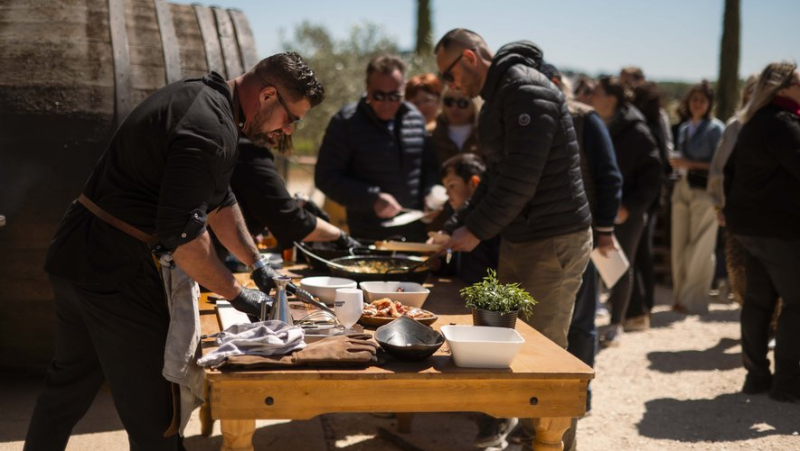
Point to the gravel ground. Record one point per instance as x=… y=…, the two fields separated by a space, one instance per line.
x=673 y=387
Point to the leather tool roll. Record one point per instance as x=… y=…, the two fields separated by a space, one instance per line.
x=354 y=350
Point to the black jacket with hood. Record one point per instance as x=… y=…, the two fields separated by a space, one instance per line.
x=637 y=158
x=533 y=187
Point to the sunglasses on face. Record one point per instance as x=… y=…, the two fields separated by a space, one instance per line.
x=380 y=96
x=294 y=121
x=461 y=103
x=446 y=75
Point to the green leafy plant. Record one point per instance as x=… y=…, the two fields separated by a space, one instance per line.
x=490 y=294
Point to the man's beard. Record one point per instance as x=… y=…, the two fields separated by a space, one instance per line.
x=259 y=138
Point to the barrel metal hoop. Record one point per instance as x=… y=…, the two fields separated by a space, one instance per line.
x=244 y=37
x=121 y=57
x=227 y=40
x=169 y=41
x=208 y=30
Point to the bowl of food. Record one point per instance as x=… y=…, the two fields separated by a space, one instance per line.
x=408 y=340
x=324 y=287
x=411 y=294
x=483 y=346
x=383 y=311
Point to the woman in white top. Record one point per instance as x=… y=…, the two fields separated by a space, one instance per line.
x=456 y=127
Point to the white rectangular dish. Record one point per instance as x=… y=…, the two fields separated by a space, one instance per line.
x=482 y=346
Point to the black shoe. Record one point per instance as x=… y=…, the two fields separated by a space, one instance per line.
x=519 y=436
x=493 y=431
x=785 y=393
x=755 y=384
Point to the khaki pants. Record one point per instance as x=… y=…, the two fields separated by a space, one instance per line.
x=694 y=236
x=551 y=270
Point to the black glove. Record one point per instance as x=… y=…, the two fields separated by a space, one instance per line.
x=263 y=278
x=345 y=241
x=249 y=301
x=314 y=209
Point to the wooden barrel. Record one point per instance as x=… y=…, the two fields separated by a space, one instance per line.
x=71 y=70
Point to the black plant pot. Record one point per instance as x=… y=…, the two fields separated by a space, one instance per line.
x=481 y=317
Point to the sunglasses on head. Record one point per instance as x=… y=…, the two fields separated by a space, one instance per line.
x=461 y=103
x=380 y=96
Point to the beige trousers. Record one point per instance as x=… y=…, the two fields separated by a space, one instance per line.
x=694 y=236
x=551 y=270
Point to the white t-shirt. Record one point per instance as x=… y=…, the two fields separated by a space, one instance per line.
x=459 y=134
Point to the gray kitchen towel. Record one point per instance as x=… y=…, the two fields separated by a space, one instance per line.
x=265 y=338
x=183 y=337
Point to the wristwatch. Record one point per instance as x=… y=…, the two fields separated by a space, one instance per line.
x=260 y=263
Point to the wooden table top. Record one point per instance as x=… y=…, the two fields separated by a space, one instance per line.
x=538 y=357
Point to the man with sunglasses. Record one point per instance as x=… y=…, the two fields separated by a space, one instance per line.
x=162 y=182
x=532 y=194
x=376 y=159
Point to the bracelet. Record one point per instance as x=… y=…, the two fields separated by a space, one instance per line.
x=260 y=263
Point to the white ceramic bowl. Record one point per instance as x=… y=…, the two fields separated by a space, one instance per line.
x=324 y=287
x=413 y=294
x=482 y=346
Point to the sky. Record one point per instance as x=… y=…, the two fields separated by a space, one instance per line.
x=670 y=40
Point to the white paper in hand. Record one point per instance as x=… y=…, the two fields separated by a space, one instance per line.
x=612 y=266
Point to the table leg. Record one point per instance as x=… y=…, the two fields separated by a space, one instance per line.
x=237 y=435
x=404 y=422
x=549 y=432
x=206 y=422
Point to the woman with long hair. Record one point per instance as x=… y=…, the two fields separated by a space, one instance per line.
x=734 y=252
x=647 y=98
x=694 y=224
x=762 y=211
x=637 y=157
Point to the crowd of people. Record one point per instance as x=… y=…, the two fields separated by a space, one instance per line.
x=540 y=157
x=539 y=169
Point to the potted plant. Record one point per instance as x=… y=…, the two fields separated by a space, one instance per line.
x=496 y=304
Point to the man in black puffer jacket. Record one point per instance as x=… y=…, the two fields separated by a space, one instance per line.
x=533 y=193
x=375 y=158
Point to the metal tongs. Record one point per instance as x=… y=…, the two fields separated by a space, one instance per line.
x=307 y=298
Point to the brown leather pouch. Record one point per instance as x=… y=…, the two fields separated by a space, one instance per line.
x=355 y=350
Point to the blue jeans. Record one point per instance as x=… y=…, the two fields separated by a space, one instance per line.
x=582 y=330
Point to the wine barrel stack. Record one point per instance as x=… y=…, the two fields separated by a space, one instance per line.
x=70 y=71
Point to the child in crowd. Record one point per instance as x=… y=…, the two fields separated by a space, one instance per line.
x=461 y=176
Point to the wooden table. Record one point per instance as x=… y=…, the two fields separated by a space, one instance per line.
x=544 y=383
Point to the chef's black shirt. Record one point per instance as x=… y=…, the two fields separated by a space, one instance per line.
x=167 y=166
x=263 y=198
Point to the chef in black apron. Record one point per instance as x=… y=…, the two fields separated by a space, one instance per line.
x=163 y=180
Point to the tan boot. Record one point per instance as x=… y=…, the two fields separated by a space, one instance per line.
x=637 y=323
